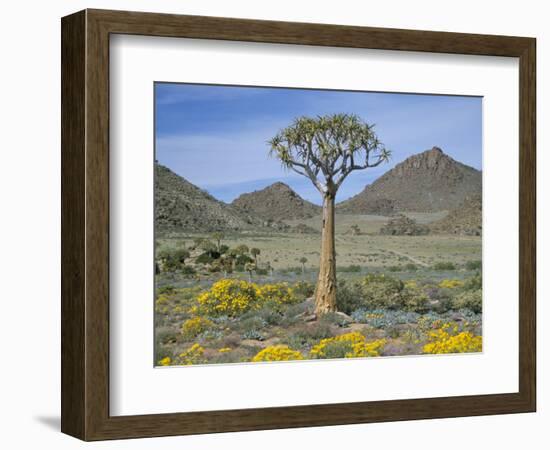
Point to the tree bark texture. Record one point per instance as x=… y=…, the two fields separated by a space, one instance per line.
x=325 y=291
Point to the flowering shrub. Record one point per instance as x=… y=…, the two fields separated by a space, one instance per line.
x=165 y=361
x=279 y=293
x=224 y=350
x=162 y=304
x=277 y=353
x=450 y=284
x=193 y=355
x=228 y=297
x=235 y=297
x=193 y=327
x=447 y=339
x=349 y=345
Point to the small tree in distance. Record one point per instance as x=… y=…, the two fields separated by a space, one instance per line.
x=303 y=261
x=218 y=236
x=326 y=149
x=255 y=252
x=249 y=267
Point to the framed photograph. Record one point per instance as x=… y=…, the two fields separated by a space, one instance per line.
x=272 y=225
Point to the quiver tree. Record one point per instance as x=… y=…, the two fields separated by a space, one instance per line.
x=255 y=252
x=303 y=261
x=218 y=236
x=326 y=150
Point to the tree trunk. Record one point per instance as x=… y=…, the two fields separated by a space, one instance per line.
x=325 y=291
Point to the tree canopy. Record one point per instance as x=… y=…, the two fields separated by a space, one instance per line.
x=326 y=149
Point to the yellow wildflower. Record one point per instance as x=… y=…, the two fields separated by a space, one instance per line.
x=447 y=339
x=451 y=284
x=349 y=345
x=195 y=326
x=277 y=353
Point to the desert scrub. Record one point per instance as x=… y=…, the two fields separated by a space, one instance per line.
x=303 y=290
x=444 y=266
x=307 y=335
x=448 y=339
x=349 y=296
x=383 y=292
x=166 y=335
x=191 y=328
x=473 y=283
x=382 y=319
x=168 y=289
x=471 y=300
x=473 y=265
x=349 y=345
x=250 y=327
x=353 y=268
x=277 y=353
x=190 y=356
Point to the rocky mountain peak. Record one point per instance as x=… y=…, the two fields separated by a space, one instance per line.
x=276 y=202
x=428 y=181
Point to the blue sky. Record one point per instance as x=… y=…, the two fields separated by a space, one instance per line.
x=216 y=136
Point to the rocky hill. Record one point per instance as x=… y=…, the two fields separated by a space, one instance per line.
x=428 y=181
x=182 y=206
x=465 y=220
x=276 y=202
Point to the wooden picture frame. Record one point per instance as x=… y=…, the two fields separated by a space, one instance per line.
x=85 y=224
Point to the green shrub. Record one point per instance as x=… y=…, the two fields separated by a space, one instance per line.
x=471 y=300
x=349 y=296
x=188 y=270
x=303 y=289
x=242 y=260
x=378 y=291
x=414 y=299
x=166 y=336
x=308 y=335
x=411 y=267
x=204 y=258
x=442 y=265
x=473 y=283
x=270 y=314
x=382 y=292
x=473 y=265
x=172 y=260
x=168 y=290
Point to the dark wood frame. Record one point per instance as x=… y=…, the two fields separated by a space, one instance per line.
x=85 y=224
